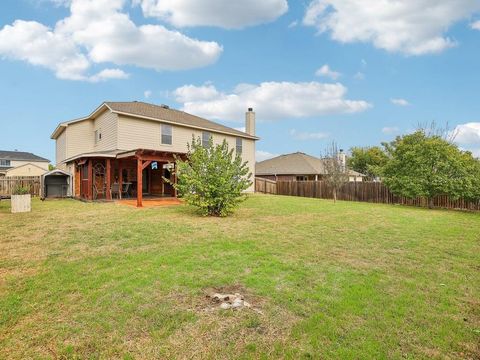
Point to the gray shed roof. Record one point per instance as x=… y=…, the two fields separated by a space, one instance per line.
x=294 y=164
x=20 y=156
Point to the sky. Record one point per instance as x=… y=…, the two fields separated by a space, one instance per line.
x=357 y=72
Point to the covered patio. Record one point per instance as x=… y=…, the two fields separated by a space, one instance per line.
x=135 y=174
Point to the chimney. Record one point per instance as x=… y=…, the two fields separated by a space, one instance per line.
x=342 y=157
x=250 y=122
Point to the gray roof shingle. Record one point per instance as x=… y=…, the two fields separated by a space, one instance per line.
x=20 y=156
x=172 y=115
x=294 y=164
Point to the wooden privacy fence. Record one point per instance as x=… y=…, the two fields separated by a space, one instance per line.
x=374 y=192
x=265 y=186
x=8 y=184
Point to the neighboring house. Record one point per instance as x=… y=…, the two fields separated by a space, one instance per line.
x=19 y=163
x=298 y=167
x=129 y=147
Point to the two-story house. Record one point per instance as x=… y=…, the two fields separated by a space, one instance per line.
x=127 y=148
x=20 y=163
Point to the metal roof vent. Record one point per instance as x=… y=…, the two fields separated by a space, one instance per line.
x=165 y=106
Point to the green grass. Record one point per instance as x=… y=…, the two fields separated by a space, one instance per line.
x=349 y=281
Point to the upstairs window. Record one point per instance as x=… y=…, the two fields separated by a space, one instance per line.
x=206 y=136
x=166 y=134
x=4 y=163
x=98 y=136
x=238 y=145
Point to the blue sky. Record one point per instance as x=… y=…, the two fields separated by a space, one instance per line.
x=355 y=71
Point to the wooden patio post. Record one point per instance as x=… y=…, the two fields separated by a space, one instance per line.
x=120 y=179
x=139 y=182
x=90 y=180
x=109 y=180
x=175 y=180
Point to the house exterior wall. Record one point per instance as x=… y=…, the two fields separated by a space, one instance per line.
x=107 y=125
x=28 y=169
x=61 y=148
x=134 y=133
x=16 y=163
x=79 y=138
x=121 y=132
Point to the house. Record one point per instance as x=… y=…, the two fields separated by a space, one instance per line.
x=298 y=167
x=127 y=148
x=19 y=163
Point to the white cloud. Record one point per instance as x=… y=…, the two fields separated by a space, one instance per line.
x=412 y=27
x=263 y=155
x=147 y=94
x=400 y=102
x=475 y=25
x=390 y=130
x=191 y=93
x=359 y=76
x=293 y=24
x=327 y=72
x=299 y=135
x=97 y=31
x=108 y=74
x=36 y=44
x=468 y=133
x=218 y=13
x=271 y=100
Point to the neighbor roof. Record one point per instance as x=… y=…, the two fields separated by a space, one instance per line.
x=20 y=156
x=290 y=164
x=158 y=113
x=294 y=164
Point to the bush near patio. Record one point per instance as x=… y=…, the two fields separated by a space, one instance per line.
x=213 y=178
x=345 y=281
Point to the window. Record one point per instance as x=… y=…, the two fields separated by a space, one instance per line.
x=238 y=145
x=206 y=136
x=4 y=163
x=302 y=178
x=98 y=136
x=166 y=134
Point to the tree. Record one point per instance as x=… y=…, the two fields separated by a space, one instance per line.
x=426 y=164
x=212 y=178
x=336 y=170
x=367 y=160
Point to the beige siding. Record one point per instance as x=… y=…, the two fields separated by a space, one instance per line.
x=61 y=148
x=42 y=164
x=27 y=170
x=79 y=138
x=106 y=124
x=146 y=134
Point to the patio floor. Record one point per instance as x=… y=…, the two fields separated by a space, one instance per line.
x=151 y=202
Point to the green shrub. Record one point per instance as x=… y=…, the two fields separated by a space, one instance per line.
x=212 y=178
x=21 y=190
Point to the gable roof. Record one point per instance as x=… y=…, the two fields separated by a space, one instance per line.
x=21 y=156
x=290 y=164
x=294 y=164
x=159 y=113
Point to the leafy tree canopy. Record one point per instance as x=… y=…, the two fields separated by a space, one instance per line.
x=367 y=160
x=423 y=164
x=213 y=178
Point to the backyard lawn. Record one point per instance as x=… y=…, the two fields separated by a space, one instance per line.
x=349 y=281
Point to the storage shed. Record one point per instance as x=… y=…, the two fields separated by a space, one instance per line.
x=56 y=184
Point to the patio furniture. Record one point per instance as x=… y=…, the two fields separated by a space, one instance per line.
x=126 y=190
x=102 y=191
x=115 y=191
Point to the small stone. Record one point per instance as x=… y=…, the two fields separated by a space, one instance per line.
x=225 y=306
x=246 y=304
x=238 y=303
